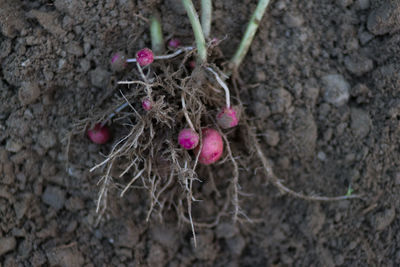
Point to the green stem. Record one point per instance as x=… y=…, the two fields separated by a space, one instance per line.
x=198 y=32
x=249 y=33
x=157 y=40
x=206 y=13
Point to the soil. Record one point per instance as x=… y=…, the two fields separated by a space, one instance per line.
x=321 y=84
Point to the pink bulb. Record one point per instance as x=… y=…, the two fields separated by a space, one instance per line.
x=188 y=138
x=99 y=134
x=227 y=118
x=144 y=57
x=146 y=104
x=192 y=64
x=118 y=61
x=212 y=146
x=174 y=43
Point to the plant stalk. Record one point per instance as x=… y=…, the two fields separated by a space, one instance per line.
x=249 y=34
x=206 y=14
x=198 y=32
x=157 y=40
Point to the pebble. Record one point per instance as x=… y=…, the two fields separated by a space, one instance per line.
x=384 y=19
x=280 y=101
x=48 y=20
x=99 y=77
x=293 y=20
x=205 y=249
x=166 y=235
x=226 y=230
x=47 y=139
x=13 y=146
x=7 y=244
x=360 y=122
x=68 y=256
x=70 y=7
x=75 y=49
x=74 y=204
x=365 y=37
x=345 y=3
x=28 y=92
x=336 y=89
x=130 y=236
x=85 y=65
x=271 y=137
x=260 y=110
x=54 y=197
x=362 y=4
x=12 y=18
x=236 y=244
x=358 y=64
x=383 y=219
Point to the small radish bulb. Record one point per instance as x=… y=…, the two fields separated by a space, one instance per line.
x=192 y=64
x=174 y=43
x=212 y=146
x=144 y=57
x=227 y=118
x=99 y=134
x=146 y=104
x=188 y=138
x=118 y=61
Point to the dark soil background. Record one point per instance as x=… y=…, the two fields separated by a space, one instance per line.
x=321 y=82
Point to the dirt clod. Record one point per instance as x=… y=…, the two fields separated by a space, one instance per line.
x=7 y=244
x=54 y=197
x=336 y=89
x=28 y=92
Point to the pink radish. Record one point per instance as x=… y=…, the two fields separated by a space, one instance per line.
x=99 y=134
x=227 y=118
x=144 y=57
x=118 y=61
x=174 y=43
x=188 y=138
x=146 y=104
x=212 y=146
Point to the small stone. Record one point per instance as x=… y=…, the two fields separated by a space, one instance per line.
x=28 y=92
x=7 y=244
x=321 y=156
x=293 y=20
x=226 y=230
x=156 y=255
x=365 y=37
x=205 y=249
x=336 y=89
x=236 y=244
x=362 y=4
x=260 y=110
x=360 y=122
x=13 y=146
x=271 y=137
x=54 y=197
x=383 y=219
x=99 y=77
x=49 y=21
x=47 y=139
x=66 y=256
x=384 y=19
x=345 y=3
x=166 y=235
x=75 y=49
x=280 y=101
x=358 y=65
x=85 y=65
x=74 y=204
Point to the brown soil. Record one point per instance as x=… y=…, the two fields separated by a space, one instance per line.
x=320 y=83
